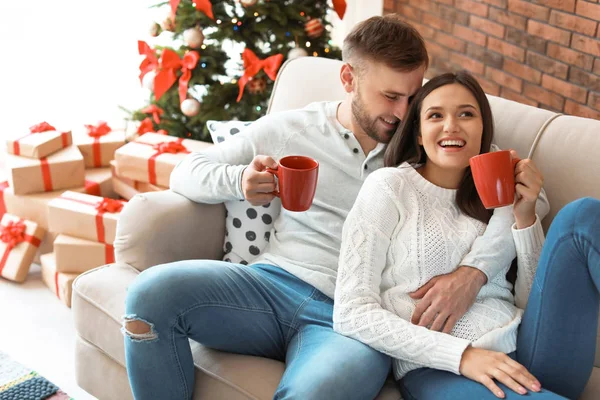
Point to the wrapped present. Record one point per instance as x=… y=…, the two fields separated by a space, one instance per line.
x=61 y=170
x=151 y=157
x=98 y=181
x=19 y=240
x=46 y=247
x=60 y=283
x=85 y=216
x=41 y=141
x=75 y=255
x=127 y=188
x=98 y=144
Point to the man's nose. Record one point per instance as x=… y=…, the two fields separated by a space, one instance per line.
x=401 y=107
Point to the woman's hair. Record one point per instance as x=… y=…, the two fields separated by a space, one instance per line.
x=404 y=146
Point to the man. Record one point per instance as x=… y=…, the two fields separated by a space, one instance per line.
x=281 y=306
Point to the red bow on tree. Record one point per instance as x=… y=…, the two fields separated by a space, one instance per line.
x=150 y=62
x=156 y=112
x=13 y=233
x=41 y=127
x=169 y=147
x=253 y=64
x=201 y=5
x=340 y=7
x=109 y=205
x=145 y=127
x=169 y=63
x=99 y=130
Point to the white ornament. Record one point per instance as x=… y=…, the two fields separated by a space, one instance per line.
x=148 y=80
x=190 y=107
x=193 y=37
x=248 y=3
x=154 y=29
x=297 y=52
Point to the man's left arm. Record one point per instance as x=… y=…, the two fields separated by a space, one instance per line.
x=446 y=298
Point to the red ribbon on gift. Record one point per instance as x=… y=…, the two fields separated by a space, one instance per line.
x=92 y=188
x=39 y=128
x=13 y=234
x=96 y=132
x=56 y=284
x=340 y=7
x=166 y=76
x=253 y=64
x=172 y=147
x=201 y=5
x=46 y=175
x=155 y=110
x=3 y=186
x=145 y=126
x=150 y=62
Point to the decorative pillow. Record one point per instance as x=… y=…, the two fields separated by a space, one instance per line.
x=247 y=228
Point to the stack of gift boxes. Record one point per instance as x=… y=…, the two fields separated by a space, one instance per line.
x=64 y=195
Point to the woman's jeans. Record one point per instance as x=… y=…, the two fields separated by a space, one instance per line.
x=258 y=310
x=557 y=337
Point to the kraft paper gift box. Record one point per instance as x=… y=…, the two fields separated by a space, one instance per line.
x=47 y=246
x=41 y=141
x=85 y=216
x=75 y=255
x=98 y=144
x=19 y=241
x=98 y=181
x=127 y=188
x=61 y=170
x=60 y=283
x=151 y=157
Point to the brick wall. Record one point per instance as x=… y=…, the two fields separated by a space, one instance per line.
x=545 y=53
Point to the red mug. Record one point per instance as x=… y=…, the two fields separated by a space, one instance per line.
x=494 y=177
x=297 y=176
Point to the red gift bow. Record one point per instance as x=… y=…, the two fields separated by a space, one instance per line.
x=340 y=7
x=92 y=188
x=3 y=186
x=39 y=128
x=96 y=132
x=169 y=63
x=150 y=62
x=201 y=5
x=13 y=233
x=145 y=127
x=172 y=147
x=155 y=110
x=252 y=64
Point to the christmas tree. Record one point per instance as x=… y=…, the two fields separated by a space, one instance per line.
x=193 y=81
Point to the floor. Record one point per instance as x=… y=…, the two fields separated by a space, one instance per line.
x=37 y=330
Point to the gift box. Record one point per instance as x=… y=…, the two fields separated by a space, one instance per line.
x=98 y=181
x=127 y=188
x=41 y=141
x=75 y=255
x=61 y=170
x=98 y=144
x=46 y=247
x=151 y=157
x=60 y=283
x=19 y=241
x=85 y=216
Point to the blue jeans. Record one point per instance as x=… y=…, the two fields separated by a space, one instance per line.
x=258 y=310
x=557 y=337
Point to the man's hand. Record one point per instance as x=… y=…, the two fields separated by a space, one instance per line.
x=257 y=184
x=446 y=298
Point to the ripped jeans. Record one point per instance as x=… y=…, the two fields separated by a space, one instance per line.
x=258 y=310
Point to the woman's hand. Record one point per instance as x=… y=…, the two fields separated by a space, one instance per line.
x=528 y=184
x=484 y=366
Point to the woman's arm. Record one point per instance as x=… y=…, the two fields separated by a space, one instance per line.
x=528 y=242
x=358 y=312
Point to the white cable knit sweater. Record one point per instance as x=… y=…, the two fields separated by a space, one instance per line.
x=402 y=231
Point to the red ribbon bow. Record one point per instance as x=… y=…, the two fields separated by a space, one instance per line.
x=145 y=127
x=150 y=62
x=169 y=63
x=340 y=7
x=109 y=205
x=41 y=127
x=169 y=147
x=201 y=5
x=172 y=147
x=96 y=132
x=155 y=110
x=253 y=64
x=13 y=233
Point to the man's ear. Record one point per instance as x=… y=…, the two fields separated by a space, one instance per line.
x=347 y=77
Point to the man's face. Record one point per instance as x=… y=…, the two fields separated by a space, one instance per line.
x=380 y=98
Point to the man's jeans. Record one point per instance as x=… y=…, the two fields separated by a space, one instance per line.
x=259 y=310
x=557 y=337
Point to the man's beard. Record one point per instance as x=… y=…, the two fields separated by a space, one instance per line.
x=367 y=124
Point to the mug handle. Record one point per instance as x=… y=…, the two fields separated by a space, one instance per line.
x=275 y=173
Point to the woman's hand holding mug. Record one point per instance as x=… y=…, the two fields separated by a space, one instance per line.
x=528 y=185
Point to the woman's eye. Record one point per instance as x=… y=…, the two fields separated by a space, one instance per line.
x=466 y=114
x=435 y=115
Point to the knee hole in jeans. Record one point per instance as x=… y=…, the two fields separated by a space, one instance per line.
x=138 y=329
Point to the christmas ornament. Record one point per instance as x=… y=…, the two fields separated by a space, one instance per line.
x=314 y=28
x=193 y=37
x=257 y=85
x=154 y=29
x=248 y=3
x=168 y=23
x=253 y=64
x=148 y=80
x=297 y=52
x=340 y=7
x=190 y=107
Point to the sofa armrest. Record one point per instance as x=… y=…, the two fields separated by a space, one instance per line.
x=160 y=227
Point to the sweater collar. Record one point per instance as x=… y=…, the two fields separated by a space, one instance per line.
x=424 y=185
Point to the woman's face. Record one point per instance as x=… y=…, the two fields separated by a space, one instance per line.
x=451 y=127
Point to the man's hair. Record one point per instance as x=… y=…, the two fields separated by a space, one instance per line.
x=387 y=40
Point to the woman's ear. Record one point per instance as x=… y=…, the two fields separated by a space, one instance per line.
x=420 y=139
x=347 y=77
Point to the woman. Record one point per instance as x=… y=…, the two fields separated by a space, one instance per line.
x=416 y=220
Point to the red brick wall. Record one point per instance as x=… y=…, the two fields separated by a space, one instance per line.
x=545 y=53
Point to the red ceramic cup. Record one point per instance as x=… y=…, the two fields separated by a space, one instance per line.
x=297 y=176
x=494 y=177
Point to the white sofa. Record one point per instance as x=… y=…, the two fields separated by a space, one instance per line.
x=161 y=227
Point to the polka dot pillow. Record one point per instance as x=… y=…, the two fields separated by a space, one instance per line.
x=247 y=228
